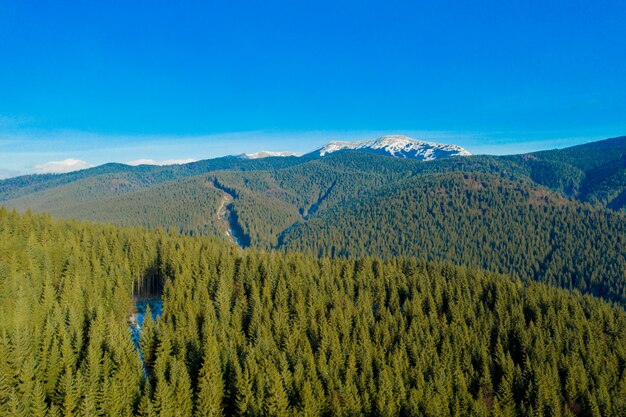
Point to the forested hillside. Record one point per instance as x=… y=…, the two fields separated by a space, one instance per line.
x=593 y=172
x=90 y=182
x=478 y=220
x=270 y=202
x=249 y=333
x=187 y=206
x=553 y=216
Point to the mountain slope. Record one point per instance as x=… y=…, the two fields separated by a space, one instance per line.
x=187 y=205
x=593 y=172
x=14 y=188
x=479 y=220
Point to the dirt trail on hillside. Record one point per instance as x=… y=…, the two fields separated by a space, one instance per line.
x=226 y=221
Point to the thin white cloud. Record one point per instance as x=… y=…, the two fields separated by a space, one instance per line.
x=136 y=162
x=59 y=167
x=8 y=173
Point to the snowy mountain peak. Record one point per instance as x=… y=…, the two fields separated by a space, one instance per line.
x=391 y=145
x=266 y=154
x=398 y=146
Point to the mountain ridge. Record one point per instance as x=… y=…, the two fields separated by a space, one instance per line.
x=268 y=154
x=398 y=146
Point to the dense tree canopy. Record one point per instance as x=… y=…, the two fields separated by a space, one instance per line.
x=483 y=221
x=252 y=333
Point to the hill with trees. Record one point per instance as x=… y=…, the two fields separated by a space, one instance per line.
x=251 y=333
x=553 y=216
x=478 y=220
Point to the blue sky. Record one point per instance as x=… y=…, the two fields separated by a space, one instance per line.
x=127 y=80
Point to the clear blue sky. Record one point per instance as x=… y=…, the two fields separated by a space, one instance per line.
x=124 y=80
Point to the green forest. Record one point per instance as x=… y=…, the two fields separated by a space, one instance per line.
x=249 y=332
x=369 y=285
x=312 y=208
x=482 y=221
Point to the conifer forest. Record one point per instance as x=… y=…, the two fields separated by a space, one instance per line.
x=349 y=285
x=320 y=208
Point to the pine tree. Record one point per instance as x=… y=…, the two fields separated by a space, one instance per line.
x=210 y=383
x=5 y=391
x=244 y=400
x=69 y=394
x=38 y=406
x=182 y=390
x=145 y=407
x=164 y=399
x=309 y=405
x=147 y=341
x=277 y=400
x=386 y=402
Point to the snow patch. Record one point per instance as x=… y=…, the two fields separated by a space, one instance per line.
x=398 y=146
x=267 y=154
x=393 y=145
x=61 y=167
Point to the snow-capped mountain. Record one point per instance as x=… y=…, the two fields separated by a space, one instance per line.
x=266 y=154
x=398 y=146
x=392 y=145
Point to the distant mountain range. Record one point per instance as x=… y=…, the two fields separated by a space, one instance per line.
x=555 y=216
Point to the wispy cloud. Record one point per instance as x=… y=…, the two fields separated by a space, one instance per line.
x=8 y=173
x=59 y=167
